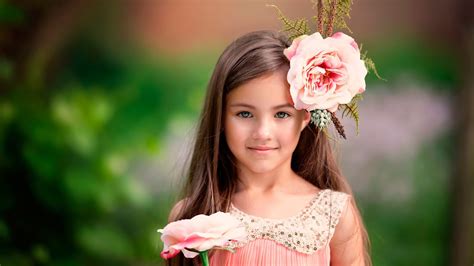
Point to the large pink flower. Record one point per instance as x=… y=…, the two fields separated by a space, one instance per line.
x=201 y=233
x=324 y=72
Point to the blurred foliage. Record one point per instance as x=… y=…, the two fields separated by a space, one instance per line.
x=68 y=195
x=70 y=134
x=432 y=62
x=10 y=13
x=416 y=231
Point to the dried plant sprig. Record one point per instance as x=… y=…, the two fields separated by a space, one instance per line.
x=319 y=18
x=294 y=28
x=331 y=14
x=338 y=125
x=335 y=13
x=331 y=17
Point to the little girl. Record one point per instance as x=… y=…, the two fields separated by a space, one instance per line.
x=263 y=161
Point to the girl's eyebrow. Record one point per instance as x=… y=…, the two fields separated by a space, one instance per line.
x=253 y=107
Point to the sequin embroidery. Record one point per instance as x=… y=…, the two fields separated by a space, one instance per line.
x=305 y=232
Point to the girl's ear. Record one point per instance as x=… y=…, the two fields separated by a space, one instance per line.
x=306 y=119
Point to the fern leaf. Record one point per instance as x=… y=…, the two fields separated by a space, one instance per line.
x=352 y=110
x=294 y=28
x=370 y=65
x=327 y=134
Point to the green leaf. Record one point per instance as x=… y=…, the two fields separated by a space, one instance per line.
x=10 y=13
x=352 y=110
x=294 y=28
x=369 y=64
x=6 y=69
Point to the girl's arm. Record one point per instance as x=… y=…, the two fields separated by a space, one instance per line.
x=346 y=244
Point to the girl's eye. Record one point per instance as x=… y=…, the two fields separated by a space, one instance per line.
x=282 y=115
x=244 y=114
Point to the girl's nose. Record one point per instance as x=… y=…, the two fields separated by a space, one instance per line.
x=263 y=129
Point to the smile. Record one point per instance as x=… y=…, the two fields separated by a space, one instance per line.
x=262 y=150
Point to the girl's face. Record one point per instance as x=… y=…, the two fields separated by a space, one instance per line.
x=261 y=125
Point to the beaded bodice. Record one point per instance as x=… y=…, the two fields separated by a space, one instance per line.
x=306 y=232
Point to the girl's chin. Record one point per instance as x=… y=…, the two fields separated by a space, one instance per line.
x=261 y=168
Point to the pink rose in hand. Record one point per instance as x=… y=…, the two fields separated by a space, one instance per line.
x=324 y=72
x=200 y=233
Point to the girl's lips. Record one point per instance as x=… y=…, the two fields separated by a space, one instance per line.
x=262 y=150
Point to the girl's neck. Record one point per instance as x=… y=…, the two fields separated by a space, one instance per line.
x=278 y=179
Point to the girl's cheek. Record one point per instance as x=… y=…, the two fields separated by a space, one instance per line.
x=236 y=127
x=241 y=129
x=238 y=122
x=289 y=132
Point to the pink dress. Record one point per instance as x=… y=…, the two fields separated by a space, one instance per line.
x=302 y=239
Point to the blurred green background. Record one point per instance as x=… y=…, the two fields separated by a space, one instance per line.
x=99 y=100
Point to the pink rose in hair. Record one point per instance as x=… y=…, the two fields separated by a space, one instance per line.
x=199 y=234
x=324 y=72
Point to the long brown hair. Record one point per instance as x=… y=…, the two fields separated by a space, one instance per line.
x=211 y=177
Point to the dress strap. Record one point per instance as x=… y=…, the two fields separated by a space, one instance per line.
x=338 y=200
